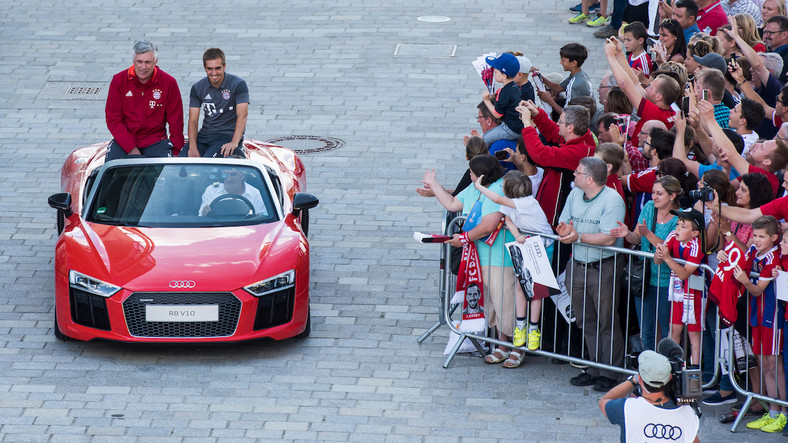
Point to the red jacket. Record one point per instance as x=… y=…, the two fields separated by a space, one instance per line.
x=137 y=113
x=559 y=162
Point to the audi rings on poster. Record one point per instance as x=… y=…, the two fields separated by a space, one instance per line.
x=182 y=284
x=662 y=432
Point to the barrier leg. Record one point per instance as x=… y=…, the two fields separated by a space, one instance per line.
x=455 y=349
x=745 y=407
x=437 y=325
x=428 y=332
x=476 y=345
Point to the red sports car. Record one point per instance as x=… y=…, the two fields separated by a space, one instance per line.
x=182 y=249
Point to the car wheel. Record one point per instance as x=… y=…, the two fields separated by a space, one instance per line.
x=305 y=222
x=308 y=328
x=58 y=333
x=60 y=221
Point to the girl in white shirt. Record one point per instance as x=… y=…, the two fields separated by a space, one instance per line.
x=522 y=212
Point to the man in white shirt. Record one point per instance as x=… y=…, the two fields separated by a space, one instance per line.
x=234 y=183
x=652 y=415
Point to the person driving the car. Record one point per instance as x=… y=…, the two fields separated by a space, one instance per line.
x=234 y=185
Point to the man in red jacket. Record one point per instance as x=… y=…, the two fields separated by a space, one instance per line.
x=141 y=102
x=574 y=141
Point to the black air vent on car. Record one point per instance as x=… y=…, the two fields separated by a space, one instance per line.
x=274 y=309
x=89 y=309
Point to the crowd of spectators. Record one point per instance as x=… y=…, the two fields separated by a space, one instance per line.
x=694 y=100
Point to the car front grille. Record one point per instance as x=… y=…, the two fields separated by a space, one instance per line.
x=229 y=312
x=88 y=309
x=274 y=309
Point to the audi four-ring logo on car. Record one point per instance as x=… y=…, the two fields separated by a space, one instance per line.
x=662 y=432
x=182 y=284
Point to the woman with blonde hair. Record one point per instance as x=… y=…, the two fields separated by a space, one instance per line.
x=749 y=31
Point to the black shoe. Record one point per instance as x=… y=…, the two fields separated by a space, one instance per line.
x=584 y=379
x=558 y=361
x=604 y=384
x=717 y=399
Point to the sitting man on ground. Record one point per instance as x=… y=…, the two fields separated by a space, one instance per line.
x=141 y=101
x=224 y=99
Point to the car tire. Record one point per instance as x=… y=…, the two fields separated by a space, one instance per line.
x=305 y=222
x=58 y=333
x=60 y=222
x=308 y=328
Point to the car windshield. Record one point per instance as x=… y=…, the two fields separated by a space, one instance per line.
x=182 y=196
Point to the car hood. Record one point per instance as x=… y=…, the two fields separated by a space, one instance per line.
x=149 y=259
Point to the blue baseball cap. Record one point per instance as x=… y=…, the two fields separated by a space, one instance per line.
x=506 y=63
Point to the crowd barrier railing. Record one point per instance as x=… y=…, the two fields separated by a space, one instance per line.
x=598 y=347
x=449 y=224
x=612 y=268
x=762 y=367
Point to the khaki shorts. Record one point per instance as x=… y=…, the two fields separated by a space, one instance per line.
x=499 y=284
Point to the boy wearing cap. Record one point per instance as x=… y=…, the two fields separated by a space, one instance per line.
x=640 y=417
x=684 y=243
x=766 y=316
x=507 y=98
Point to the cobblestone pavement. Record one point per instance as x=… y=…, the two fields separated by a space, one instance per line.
x=314 y=68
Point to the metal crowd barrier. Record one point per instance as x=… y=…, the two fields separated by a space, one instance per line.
x=744 y=368
x=449 y=225
x=621 y=259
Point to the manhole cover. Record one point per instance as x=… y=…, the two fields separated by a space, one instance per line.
x=433 y=18
x=307 y=144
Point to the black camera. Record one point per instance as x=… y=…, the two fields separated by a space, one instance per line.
x=704 y=194
x=686 y=385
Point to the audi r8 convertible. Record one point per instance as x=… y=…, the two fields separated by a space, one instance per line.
x=182 y=249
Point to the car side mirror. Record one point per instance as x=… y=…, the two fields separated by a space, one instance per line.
x=61 y=202
x=303 y=201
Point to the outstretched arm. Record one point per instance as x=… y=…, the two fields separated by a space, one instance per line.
x=679 y=150
x=448 y=201
x=755 y=60
x=496 y=198
x=734 y=213
x=621 y=73
x=726 y=145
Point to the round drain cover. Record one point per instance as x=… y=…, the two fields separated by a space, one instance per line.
x=307 y=144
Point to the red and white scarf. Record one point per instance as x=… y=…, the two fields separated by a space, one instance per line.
x=470 y=273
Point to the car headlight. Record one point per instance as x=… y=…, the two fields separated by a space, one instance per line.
x=92 y=285
x=276 y=283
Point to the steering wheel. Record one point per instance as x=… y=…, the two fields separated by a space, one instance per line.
x=231 y=205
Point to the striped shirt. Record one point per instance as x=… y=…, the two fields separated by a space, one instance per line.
x=743 y=7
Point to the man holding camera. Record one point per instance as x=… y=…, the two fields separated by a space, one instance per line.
x=652 y=416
